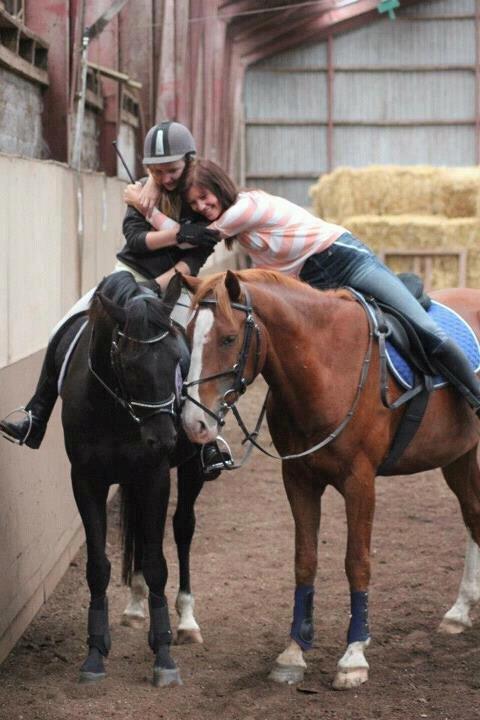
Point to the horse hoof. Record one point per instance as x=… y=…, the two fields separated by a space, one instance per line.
x=287 y=674
x=90 y=677
x=188 y=637
x=163 y=677
x=133 y=621
x=347 y=679
x=451 y=627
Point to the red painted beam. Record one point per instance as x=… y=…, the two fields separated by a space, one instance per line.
x=50 y=20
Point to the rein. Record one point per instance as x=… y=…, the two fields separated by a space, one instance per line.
x=166 y=406
x=237 y=371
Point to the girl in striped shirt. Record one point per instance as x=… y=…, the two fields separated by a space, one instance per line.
x=279 y=235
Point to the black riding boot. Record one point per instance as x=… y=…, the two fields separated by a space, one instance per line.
x=214 y=460
x=165 y=671
x=31 y=429
x=452 y=363
x=99 y=642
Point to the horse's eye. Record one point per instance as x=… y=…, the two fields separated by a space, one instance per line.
x=228 y=339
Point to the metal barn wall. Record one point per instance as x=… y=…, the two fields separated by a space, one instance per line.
x=41 y=529
x=402 y=91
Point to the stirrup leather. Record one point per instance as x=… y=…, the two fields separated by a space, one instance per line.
x=18 y=441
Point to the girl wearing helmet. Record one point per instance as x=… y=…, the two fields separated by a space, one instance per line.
x=148 y=254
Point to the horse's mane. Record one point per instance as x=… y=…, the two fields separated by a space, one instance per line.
x=142 y=316
x=215 y=285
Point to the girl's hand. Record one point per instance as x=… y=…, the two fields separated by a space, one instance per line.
x=149 y=197
x=131 y=195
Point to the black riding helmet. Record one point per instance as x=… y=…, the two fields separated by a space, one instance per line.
x=167 y=142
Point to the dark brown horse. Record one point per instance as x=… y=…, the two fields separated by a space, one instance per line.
x=312 y=348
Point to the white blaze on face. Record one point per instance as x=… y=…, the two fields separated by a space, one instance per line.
x=199 y=426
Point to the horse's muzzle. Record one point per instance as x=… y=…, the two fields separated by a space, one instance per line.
x=159 y=435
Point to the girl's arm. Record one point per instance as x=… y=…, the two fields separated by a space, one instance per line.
x=165 y=277
x=149 y=196
x=165 y=233
x=165 y=229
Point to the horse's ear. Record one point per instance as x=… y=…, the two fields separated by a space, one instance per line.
x=191 y=282
x=172 y=293
x=116 y=312
x=233 y=286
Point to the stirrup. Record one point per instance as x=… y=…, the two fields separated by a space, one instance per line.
x=18 y=441
x=221 y=465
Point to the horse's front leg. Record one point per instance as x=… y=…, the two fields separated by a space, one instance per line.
x=305 y=501
x=154 y=491
x=359 y=493
x=190 y=483
x=91 y=493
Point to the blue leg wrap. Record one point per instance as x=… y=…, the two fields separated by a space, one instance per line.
x=358 y=629
x=302 y=625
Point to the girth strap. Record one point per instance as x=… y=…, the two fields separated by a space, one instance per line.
x=416 y=399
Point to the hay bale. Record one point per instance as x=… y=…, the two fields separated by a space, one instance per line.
x=423 y=232
x=397 y=190
x=459 y=192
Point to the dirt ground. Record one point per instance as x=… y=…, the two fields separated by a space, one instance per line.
x=242 y=572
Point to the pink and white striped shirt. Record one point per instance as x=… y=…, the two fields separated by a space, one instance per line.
x=276 y=233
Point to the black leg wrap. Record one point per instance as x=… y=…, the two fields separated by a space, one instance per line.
x=98 y=630
x=160 y=632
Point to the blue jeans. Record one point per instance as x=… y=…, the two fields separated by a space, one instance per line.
x=348 y=262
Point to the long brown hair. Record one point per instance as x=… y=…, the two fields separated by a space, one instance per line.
x=207 y=174
x=170 y=203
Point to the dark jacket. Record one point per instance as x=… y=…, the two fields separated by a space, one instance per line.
x=151 y=263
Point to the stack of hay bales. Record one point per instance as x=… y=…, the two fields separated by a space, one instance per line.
x=408 y=208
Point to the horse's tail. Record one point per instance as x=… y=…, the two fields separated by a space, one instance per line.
x=128 y=527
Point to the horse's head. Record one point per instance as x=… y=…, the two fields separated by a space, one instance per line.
x=145 y=357
x=225 y=344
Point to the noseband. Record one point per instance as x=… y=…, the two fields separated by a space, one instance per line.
x=166 y=407
x=239 y=383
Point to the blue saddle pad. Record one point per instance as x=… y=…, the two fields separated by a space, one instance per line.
x=455 y=327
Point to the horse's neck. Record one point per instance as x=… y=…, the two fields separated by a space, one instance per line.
x=314 y=352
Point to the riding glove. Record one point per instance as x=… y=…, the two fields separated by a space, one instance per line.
x=197 y=235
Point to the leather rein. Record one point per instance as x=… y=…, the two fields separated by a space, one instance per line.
x=240 y=383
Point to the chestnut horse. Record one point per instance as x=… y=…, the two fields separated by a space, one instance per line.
x=312 y=347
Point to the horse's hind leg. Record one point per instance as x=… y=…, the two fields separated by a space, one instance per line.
x=457 y=619
x=134 y=614
x=91 y=497
x=190 y=483
x=305 y=501
x=463 y=477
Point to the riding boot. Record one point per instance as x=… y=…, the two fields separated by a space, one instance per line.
x=451 y=362
x=160 y=638
x=31 y=429
x=99 y=642
x=215 y=460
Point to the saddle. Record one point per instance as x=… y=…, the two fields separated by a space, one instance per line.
x=403 y=355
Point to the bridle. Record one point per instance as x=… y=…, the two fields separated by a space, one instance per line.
x=239 y=382
x=122 y=396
